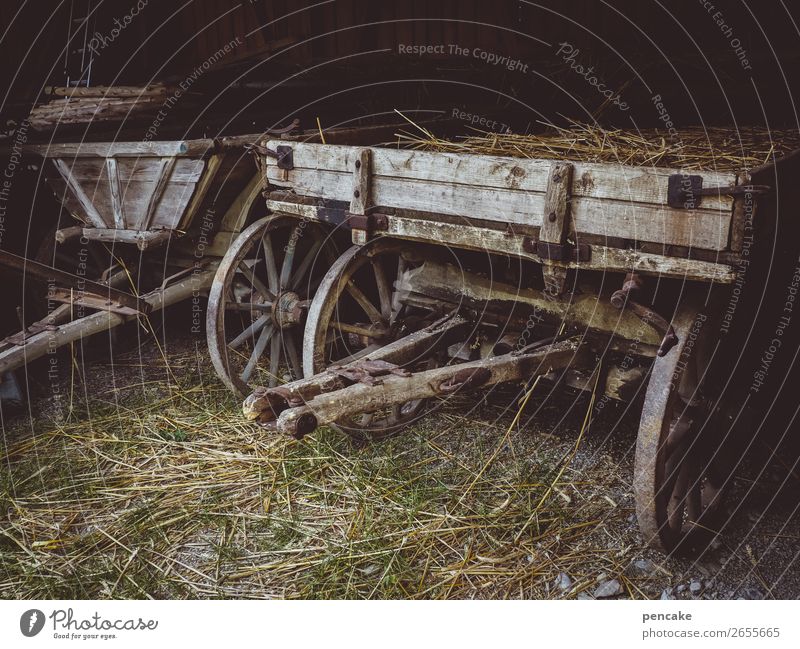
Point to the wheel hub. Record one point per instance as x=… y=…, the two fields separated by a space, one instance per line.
x=288 y=309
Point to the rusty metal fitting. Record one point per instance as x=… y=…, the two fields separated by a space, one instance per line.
x=631 y=289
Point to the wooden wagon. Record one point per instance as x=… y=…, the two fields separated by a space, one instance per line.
x=152 y=221
x=132 y=202
x=469 y=270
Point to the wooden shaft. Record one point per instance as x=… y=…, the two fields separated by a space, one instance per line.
x=260 y=404
x=48 y=273
x=38 y=345
x=330 y=407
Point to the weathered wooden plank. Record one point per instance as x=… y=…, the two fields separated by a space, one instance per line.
x=743 y=213
x=605 y=217
x=212 y=166
x=116 y=198
x=556 y=223
x=68 y=150
x=136 y=169
x=87 y=207
x=361 y=194
x=167 y=165
x=555 y=226
x=471 y=237
x=143 y=239
x=596 y=180
x=360 y=176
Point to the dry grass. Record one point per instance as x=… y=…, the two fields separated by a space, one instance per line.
x=160 y=489
x=720 y=149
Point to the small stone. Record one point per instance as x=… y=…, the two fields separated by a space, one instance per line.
x=584 y=596
x=750 y=593
x=609 y=588
x=680 y=588
x=667 y=594
x=695 y=587
x=644 y=565
x=563 y=581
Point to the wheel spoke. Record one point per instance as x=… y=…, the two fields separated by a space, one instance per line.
x=397 y=414
x=677 y=499
x=302 y=269
x=255 y=282
x=272 y=268
x=396 y=304
x=384 y=288
x=678 y=434
x=694 y=500
x=249 y=332
x=363 y=301
x=249 y=306
x=274 y=361
x=288 y=258
x=258 y=349
x=291 y=353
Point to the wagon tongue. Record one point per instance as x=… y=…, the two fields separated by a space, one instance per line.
x=371 y=385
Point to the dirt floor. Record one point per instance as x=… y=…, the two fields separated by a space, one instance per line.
x=139 y=478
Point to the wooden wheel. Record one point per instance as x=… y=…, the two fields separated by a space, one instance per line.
x=681 y=466
x=258 y=301
x=357 y=309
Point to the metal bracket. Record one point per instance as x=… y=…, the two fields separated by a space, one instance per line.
x=367 y=222
x=20 y=338
x=565 y=252
x=283 y=155
x=367 y=371
x=685 y=191
x=558 y=251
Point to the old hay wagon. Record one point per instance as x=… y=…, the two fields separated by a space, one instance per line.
x=468 y=270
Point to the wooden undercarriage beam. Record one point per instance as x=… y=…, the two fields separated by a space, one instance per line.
x=393 y=386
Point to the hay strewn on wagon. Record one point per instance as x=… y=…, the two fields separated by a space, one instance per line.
x=695 y=149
